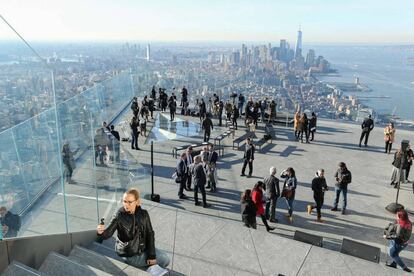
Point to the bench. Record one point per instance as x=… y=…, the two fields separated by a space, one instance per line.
x=270 y=131
x=184 y=147
x=219 y=138
x=260 y=143
x=242 y=138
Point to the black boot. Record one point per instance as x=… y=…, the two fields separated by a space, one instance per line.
x=393 y=265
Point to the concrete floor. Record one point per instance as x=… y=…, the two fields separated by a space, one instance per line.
x=220 y=225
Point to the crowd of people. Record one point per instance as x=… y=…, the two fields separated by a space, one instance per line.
x=252 y=199
x=197 y=170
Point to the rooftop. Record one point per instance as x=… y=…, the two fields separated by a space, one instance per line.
x=197 y=238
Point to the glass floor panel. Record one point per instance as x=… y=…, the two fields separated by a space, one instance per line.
x=164 y=129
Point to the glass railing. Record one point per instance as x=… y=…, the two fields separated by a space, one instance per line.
x=63 y=176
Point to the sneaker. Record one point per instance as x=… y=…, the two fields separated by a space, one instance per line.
x=274 y=220
x=310 y=209
x=206 y=205
x=407 y=269
x=334 y=209
x=270 y=228
x=343 y=212
x=242 y=174
x=248 y=176
x=197 y=204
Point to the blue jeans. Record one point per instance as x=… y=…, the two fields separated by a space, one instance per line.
x=140 y=261
x=394 y=250
x=289 y=202
x=338 y=192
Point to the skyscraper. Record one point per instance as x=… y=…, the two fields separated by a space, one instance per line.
x=310 y=58
x=148 y=52
x=243 y=54
x=298 y=50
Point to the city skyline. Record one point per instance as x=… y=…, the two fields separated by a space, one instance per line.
x=230 y=21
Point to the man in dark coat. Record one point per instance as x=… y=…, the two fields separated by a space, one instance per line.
x=220 y=112
x=248 y=157
x=188 y=161
x=272 y=193
x=318 y=187
x=367 y=125
x=342 y=177
x=199 y=180
x=207 y=126
x=173 y=107
x=202 y=110
x=182 y=175
x=212 y=158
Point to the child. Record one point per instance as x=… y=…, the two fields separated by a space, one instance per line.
x=248 y=209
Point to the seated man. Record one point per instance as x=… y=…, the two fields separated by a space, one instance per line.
x=135 y=238
x=10 y=223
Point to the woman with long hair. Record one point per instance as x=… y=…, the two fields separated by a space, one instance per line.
x=303 y=128
x=389 y=136
x=400 y=161
x=248 y=209
x=289 y=190
x=257 y=197
x=398 y=233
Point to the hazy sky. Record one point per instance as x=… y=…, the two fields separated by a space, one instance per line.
x=369 y=21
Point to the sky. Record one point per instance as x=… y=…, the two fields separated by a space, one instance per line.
x=322 y=21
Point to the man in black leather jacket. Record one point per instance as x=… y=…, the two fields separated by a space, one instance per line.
x=367 y=126
x=135 y=236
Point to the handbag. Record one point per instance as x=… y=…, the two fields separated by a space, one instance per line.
x=287 y=193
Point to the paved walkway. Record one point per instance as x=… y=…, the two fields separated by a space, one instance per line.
x=200 y=244
x=368 y=194
x=212 y=241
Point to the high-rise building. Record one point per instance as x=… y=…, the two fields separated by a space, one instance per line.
x=283 y=50
x=235 y=57
x=243 y=54
x=148 y=52
x=298 y=49
x=310 y=58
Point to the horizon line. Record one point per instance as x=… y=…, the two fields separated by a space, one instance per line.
x=117 y=41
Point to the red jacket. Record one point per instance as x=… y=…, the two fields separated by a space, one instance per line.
x=257 y=197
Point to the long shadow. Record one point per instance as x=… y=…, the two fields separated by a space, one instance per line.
x=332 y=129
x=267 y=148
x=161 y=171
x=289 y=150
x=350 y=146
x=332 y=188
